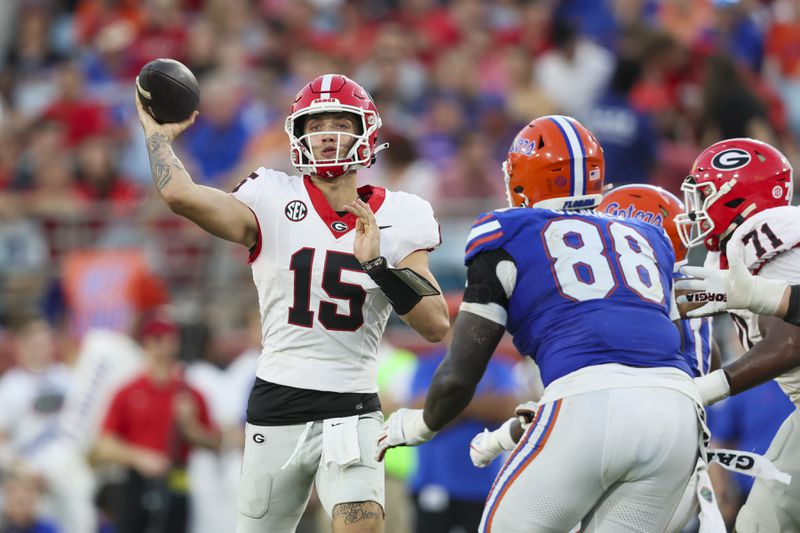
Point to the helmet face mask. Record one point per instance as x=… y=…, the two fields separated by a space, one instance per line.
x=731 y=181
x=694 y=225
x=554 y=163
x=333 y=93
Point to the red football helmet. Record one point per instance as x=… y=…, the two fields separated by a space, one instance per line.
x=333 y=93
x=554 y=163
x=731 y=181
x=651 y=204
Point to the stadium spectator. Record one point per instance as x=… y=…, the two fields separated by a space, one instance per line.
x=396 y=368
x=574 y=72
x=472 y=174
x=628 y=136
x=403 y=170
x=523 y=98
x=99 y=180
x=220 y=136
x=731 y=109
x=80 y=115
x=151 y=424
x=782 y=62
x=225 y=386
x=449 y=492
x=21 y=497
x=32 y=395
x=31 y=61
x=738 y=33
x=109 y=289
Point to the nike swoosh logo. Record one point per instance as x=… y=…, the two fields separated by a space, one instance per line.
x=339 y=424
x=384 y=227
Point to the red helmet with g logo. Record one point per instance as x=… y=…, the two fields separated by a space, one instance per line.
x=731 y=181
x=554 y=163
x=334 y=93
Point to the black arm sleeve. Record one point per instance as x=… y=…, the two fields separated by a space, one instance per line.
x=403 y=287
x=793 y=311
x=483 y=285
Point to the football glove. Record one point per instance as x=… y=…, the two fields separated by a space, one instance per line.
x=404 y=428
x=713 y=387
x=526 y=412
x=735 y=288
x=486 y=446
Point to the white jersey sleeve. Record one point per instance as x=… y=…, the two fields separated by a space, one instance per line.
x=420 y=230
x=769 y=242
x=249 y=189
x=765 y=236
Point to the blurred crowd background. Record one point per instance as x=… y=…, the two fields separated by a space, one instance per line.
x=86 y=245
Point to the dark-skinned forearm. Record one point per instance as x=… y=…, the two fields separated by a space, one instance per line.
x=474 y=342
x=715 y=361
x=490 y=407
x=448 y=396
x=790 y=306
x=777 y=353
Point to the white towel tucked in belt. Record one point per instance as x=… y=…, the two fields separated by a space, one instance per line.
x=340 y=441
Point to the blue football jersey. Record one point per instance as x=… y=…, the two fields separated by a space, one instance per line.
x=590 y=289
x=696 y=348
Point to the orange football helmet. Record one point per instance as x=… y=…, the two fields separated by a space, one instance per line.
x=650 y=204
x=554 y=163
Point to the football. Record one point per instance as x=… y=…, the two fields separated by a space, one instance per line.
x=168 y=90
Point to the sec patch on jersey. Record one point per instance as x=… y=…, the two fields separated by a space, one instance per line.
x=168 y=90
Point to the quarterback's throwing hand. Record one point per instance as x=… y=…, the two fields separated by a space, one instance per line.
x=404 y=428
x=150 y=126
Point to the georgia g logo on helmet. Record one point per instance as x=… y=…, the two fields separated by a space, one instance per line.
x=730 y=159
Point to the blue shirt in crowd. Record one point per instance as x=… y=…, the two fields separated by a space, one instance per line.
x=444 y=461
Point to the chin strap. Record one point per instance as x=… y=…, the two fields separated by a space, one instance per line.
x=379 y=148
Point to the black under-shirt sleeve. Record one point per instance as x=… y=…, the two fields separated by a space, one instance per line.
x=483 y=286
x=793 y=312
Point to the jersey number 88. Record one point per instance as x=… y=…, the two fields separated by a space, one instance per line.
x=582 y=265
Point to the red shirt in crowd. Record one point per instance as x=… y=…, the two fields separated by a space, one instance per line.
x=141 y=413
x=80 y=118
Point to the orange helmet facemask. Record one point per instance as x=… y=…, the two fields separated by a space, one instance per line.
x=554 y=163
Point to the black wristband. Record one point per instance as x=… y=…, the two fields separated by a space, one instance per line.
x=375 y=266
x=793 y=310
x=403 y=287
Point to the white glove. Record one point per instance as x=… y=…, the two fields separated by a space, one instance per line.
x=734 y=288
x=486 y=446
x=526 y=412
x=404 y=428
x=713 y=387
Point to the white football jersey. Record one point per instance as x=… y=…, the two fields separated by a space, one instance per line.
x=322 y=316
x=769 y=242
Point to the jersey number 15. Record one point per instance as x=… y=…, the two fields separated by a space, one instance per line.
x=300 y=313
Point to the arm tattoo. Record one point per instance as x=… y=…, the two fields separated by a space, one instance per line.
x=162 y=159
x=356 y=512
